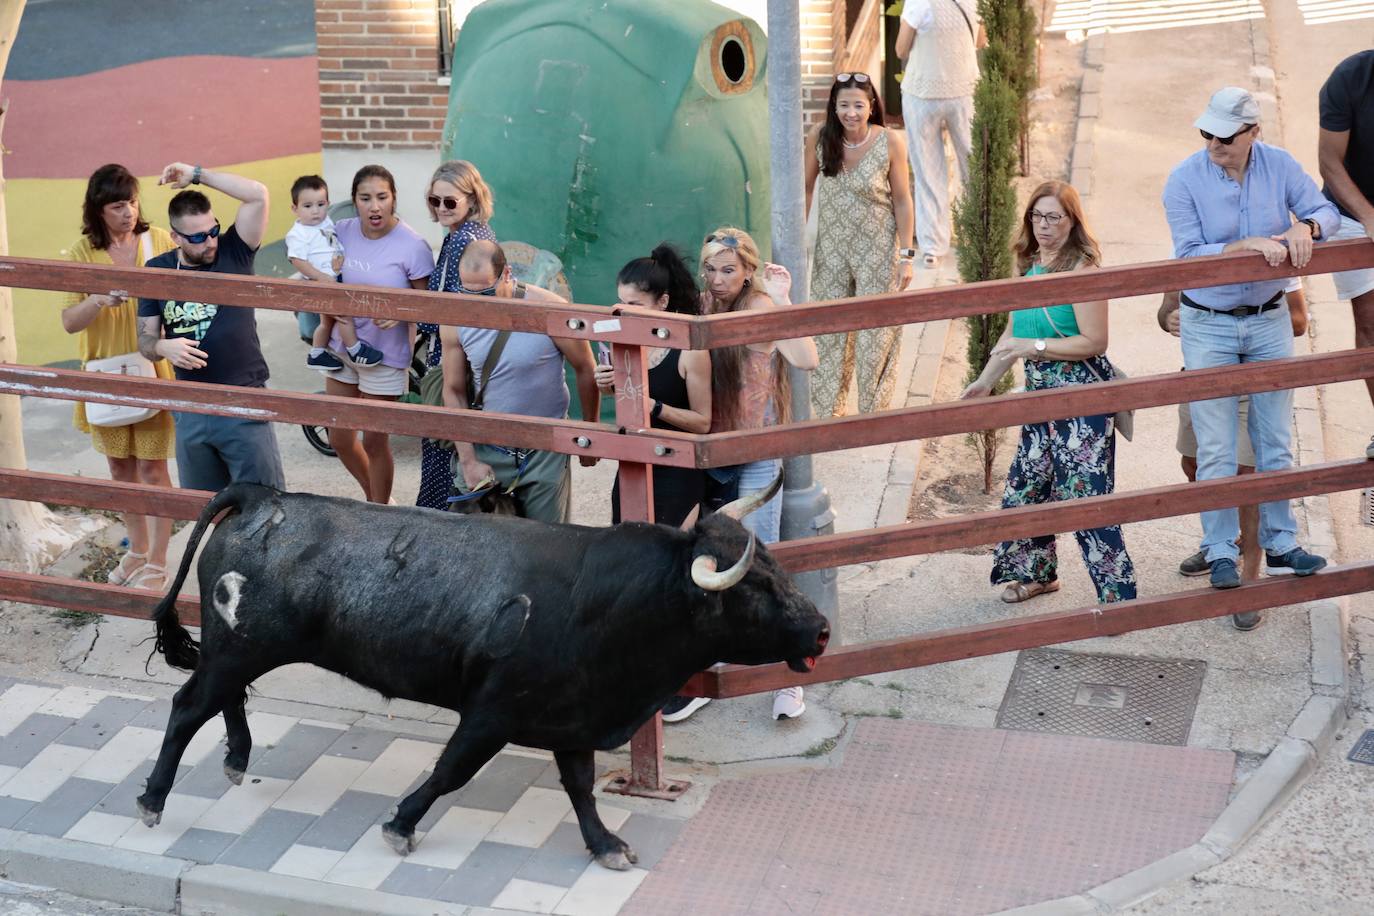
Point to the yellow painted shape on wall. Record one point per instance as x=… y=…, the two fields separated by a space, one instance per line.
x=45 y=219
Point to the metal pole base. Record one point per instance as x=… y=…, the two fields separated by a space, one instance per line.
x=621 y=783
x=646 y=779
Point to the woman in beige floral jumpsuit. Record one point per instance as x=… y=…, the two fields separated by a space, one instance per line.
x=864 y=227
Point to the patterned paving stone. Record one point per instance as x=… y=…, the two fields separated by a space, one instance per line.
x=267 y=840
x=204 y=846
x=294 y=753
x=120 y=801
x=415 y=880
x=154 y=715
x=206 y=779
x=29 y=738
x=650 y=836
x=561 y=860
x=341 y=826
x=361 y=743
x=103 y=722
x=12 y=809
x=483 y=874
x=501 y=784
x=60 y=811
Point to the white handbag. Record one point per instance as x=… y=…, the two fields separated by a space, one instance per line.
x=131 y=364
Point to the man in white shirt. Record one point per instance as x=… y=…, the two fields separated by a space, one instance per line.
x=938 y=41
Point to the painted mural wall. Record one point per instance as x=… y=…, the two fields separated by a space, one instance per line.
x=228 y=84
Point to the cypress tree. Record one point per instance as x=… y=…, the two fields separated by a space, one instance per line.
x=1011 y=31
x=984 y=219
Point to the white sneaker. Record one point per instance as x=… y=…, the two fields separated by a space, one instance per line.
x=788 y=703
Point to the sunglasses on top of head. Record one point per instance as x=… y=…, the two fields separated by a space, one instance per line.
x=729 y=241
x=1226 y=141
x=443 y=203
x=197 y=238
x=847 y=77
x=489 y=291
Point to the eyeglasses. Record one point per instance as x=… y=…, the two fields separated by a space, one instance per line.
x=489 y=291
x=729 y=241
x=196 y=238
x=846 y=77
x=1226 y=141
x=443 y=203
x=1049 y=219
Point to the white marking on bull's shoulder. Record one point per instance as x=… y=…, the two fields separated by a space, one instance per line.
x=232 y=583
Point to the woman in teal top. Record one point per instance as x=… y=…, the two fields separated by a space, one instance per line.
x=1060 y=459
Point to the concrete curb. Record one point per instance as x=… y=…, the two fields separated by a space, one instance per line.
x=1313 y=731
x=179 y=886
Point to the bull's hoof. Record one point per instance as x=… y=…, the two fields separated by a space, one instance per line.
x=149 y=817
x=617 y=859
x=404 y=844
x=233 y=774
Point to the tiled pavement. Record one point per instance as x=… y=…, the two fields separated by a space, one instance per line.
x=72 y=761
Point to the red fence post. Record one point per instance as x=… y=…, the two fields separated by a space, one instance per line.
x=632 y=406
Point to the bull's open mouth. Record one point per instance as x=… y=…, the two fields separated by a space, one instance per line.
x=804 y=665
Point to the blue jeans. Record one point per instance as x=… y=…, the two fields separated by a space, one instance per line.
x=766 y=520
x=213 y=452
x=1223 y=340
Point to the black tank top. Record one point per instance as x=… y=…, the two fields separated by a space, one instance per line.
x=666 y=384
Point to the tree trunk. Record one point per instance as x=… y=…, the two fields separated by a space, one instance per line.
x=30 y=535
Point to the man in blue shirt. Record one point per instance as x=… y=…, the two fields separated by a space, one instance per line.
x=1238 y=194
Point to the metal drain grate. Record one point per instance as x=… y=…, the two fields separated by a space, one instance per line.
x=1363 y=751
x=1103 y=696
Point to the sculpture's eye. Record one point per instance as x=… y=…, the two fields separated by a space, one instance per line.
x=729 y=53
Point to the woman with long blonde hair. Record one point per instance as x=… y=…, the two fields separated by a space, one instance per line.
x=749 y=383
x=1060 y=459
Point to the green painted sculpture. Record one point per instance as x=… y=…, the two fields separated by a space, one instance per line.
x=606 y=126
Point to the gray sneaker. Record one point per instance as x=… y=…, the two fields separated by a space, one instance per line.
x=1196 y=565
x=1246 y=621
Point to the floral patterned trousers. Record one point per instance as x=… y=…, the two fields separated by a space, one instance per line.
x=1059 y=460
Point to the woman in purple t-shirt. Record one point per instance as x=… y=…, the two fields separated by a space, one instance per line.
x=379 y=250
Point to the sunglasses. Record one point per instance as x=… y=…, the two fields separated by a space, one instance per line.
x=1226 y=141
x=729 y=241
x=443 y=203
x=489 y=291
x=196 y=238
x=846 y=77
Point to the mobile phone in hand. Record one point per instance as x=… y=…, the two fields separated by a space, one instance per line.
x=603 y=354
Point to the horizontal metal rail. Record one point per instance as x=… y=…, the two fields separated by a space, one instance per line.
x=910 y=539
x=602 y=441
x=666 y=447
x=811 y=437
x=646 y=328
x=993 y=638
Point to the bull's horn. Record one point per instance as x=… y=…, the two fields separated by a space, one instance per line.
x=704 y=570
x=741 y=507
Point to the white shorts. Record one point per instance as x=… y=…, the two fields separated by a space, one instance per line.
x=380 y=380
x=1352 y=283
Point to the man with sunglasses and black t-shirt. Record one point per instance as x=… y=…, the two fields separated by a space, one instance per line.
x=206 y=342
x=1238 y=194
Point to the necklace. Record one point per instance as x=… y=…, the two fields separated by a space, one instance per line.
x=849 y=145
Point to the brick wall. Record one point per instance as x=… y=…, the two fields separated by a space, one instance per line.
x=822 y=30
x=379 y=74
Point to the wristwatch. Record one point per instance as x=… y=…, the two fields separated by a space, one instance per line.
x=906 y=254
x=1312 y=227
x=1040 y=346
x=195 y=175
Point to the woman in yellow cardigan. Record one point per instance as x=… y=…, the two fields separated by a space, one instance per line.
x=113 y=232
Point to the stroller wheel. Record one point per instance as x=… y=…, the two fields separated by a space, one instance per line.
x=318 y=436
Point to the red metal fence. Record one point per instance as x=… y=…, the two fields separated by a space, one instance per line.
x=636 y=445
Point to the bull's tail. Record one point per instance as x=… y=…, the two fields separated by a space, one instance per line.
x=172 y=639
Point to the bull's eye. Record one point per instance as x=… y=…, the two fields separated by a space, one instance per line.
x=729 y=53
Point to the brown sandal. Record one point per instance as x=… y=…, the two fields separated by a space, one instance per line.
x=1017 y=592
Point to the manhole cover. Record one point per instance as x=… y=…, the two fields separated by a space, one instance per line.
x=1363 y=751
x=1103 y=696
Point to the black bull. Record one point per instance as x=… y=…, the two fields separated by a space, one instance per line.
x=560 y=637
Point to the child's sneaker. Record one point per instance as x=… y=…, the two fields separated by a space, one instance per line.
x=366 y=355
x=324 y=361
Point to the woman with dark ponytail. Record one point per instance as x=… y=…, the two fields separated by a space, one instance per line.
x=679 y=380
